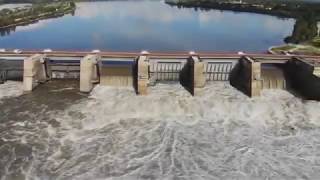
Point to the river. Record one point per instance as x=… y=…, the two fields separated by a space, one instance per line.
x=153 y=26
x=55 y=133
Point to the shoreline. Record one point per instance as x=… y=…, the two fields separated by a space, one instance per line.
x=34 y=20
x=39 y=16
x=234 y=8
x=284 y=10
x=294 y=49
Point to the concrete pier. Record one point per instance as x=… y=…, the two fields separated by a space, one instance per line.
x=35 y=71
x=199 y=72
x=192 y=75
x=246 y=76
x=2 y=77
x=89 y=72
x=142 y=74
x=304 y=78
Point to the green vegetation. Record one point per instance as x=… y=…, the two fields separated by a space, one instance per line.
x=305 y=29
x=306 y=49
x=19 y=16
x=311 y=47
x=316 y=42
x=284 y=48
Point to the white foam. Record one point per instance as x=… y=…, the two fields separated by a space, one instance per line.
x=168 y=134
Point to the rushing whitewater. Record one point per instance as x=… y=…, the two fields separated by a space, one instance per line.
x=168 y=134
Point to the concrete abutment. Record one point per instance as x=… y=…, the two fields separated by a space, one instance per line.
x=35 y=71
x=246 y=76
x=192 y=76
x=89 y=73
x=141 y=75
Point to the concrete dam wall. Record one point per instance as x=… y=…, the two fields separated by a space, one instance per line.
x=248 y=74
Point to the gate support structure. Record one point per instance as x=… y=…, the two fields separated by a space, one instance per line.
x=89 y=72
x=142 y=74
x=246 y=76
x=35 y=71
x=193 y=75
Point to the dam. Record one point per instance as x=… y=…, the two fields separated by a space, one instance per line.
x=249 y=73
x=176 y=125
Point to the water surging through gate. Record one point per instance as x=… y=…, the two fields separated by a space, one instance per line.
x=168 y=134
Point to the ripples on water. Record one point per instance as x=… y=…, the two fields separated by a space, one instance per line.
x=168 y=134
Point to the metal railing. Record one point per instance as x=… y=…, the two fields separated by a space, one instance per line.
x=218 y=71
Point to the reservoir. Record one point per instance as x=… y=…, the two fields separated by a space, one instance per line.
x=153 y=26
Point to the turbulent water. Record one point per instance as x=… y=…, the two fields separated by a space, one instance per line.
x=168 y=134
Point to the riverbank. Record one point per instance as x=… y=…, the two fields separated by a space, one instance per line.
x=311 y=47
x=284 y=9
x=22 y=16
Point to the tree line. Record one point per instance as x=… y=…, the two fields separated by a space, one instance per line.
x=10 y=17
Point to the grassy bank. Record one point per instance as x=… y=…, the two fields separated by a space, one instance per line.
x=308 y=48
x=21 y=16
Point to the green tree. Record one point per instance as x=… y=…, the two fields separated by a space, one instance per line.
x=305 y=29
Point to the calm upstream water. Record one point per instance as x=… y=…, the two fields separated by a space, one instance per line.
x=151 y=25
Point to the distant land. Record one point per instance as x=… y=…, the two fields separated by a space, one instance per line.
x=45 y=1
x=26 y=15
x=306 y=13
x=281 y=8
